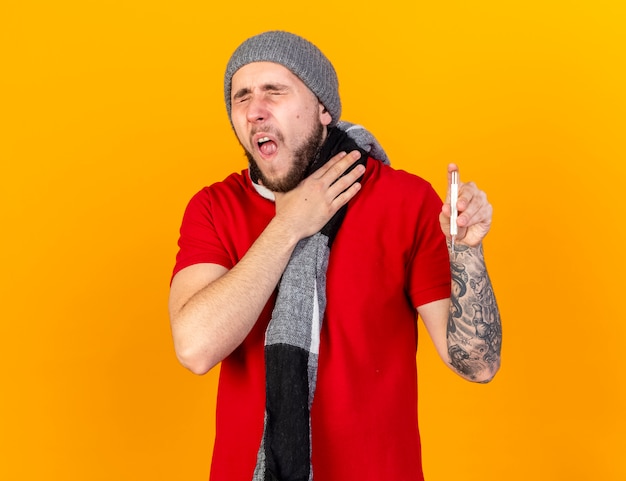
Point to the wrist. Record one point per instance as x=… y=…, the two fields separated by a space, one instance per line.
x=464 y=249
x=284 y=233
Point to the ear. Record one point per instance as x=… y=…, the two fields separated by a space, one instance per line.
x=325 y=117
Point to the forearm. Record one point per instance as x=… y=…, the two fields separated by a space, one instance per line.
x=213 y=310
x=218 y=317
x=474 y=331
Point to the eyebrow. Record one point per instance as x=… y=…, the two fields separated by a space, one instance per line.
x=269 y=87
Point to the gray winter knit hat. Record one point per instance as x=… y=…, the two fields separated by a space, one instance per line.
x=297 y=54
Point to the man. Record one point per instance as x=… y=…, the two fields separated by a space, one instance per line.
x=303 y=276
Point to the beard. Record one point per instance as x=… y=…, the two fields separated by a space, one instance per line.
x=302 y=159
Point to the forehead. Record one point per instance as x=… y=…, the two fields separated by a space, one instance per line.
x=264 y=73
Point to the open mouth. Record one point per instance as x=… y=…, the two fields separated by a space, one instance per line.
x=266 y=146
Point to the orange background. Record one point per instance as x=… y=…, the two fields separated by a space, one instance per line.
x=112 y=116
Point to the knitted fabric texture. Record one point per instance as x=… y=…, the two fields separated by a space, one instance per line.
x=295 y=53
x=293 y=335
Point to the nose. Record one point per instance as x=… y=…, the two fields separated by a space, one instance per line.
x=257 y=109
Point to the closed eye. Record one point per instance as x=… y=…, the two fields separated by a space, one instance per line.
x=275 y=89
x=241 y=95
x=244 y=94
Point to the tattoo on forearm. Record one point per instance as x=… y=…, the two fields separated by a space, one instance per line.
x=474 y=328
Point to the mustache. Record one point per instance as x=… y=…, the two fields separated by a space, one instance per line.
x=267 y=129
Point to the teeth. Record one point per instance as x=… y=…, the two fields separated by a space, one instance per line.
x=262 y=140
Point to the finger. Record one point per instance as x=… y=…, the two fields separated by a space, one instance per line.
x=345 y=181
x=468 y=203
x=467 y=191
x=337 y=165
x=451 y=168
x=482 y=216
x=473 y=205
x=345 y=195
x=444 y=220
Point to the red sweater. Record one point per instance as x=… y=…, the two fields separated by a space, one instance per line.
x=388 y=258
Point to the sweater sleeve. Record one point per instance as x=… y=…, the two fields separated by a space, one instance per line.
x=198 y=241
x=429 y=268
